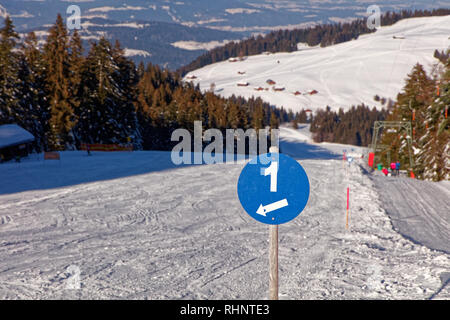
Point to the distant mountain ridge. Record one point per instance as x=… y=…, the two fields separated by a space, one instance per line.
x=230 y=15
x=148 y=41
x=193 y=25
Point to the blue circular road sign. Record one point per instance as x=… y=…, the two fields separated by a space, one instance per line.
x=273 y=188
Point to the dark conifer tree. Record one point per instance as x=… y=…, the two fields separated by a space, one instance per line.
x=433 y=159
x=33 y=103
x=57 y=59
x=9 y=77
x=412 y=104
x=126 y=79
x=105 y=114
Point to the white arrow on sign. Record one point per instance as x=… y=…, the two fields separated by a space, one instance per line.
x=262 y=210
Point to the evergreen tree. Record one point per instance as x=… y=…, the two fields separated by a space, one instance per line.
x=434 y=157
x=33 y=104
x=9 y=77
x=302 y=117
x=235 y=116
x=58 y=62
x=76 y=61
x=258 y=118
x=412 y=104
x=274 y=123
x=127 y=79
x=106 y=113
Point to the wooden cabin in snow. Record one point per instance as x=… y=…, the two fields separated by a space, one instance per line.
x=297 y=93
x=259 y=88
x=311 y=92
x=270 y=82
x=278 y=88
x=242 y=84
x=15 y=142
x=241 y=72
x=191 y=77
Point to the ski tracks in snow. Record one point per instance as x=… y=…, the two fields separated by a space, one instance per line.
x=418 y=210
x=182 y=234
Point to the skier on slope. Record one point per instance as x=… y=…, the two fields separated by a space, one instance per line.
x=392 y=167
x=397 y=168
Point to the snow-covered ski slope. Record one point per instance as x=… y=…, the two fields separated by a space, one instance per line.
x=137 y=228
x=423 y=216
x=345 y=74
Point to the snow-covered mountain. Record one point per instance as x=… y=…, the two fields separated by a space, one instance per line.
x=173 y=42
x=342 y=75
x=231 y=15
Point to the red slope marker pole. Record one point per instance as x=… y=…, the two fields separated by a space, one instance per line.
x=348 y=205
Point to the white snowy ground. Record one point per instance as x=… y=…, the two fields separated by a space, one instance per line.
x=345 y=74
x=137 y=228
x=419 y=210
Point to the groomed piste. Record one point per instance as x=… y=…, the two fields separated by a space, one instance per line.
x=137 y=227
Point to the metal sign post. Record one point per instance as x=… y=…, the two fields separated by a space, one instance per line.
x=273 y=262
x=273 y=200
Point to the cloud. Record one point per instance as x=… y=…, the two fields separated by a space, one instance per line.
x=23 y=14
x=108 y=9
x=194 y=45
x=241 y=10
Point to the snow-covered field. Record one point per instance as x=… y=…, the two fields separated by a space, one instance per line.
x=134 y=226
x=345 y=74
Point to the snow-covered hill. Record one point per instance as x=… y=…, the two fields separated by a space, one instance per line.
x=240 y=15
x=173 y=33
x=346 y=74
x=133 y=226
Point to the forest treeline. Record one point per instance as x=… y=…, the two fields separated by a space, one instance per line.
x=287 y=40
x=65 y=98
x=354 y=126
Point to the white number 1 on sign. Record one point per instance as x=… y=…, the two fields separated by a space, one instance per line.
x=272 y=170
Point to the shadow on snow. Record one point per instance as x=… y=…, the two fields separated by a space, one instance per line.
x=76 y=167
